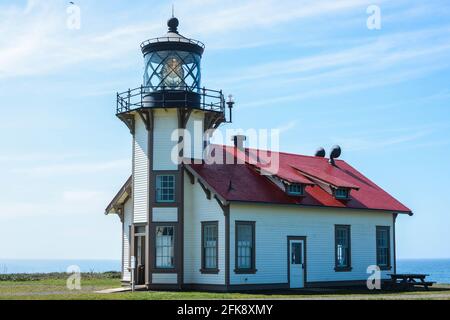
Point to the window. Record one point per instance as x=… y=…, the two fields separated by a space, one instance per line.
x=343 y=253
x=165 y=188
x=165 y=247
x=139 y=231
x=296 y=253
x=295 y=189
x=210 y=247
x=245 y=247
x=341 y=193
x=383 y=248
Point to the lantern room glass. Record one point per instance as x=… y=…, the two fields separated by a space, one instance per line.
x=172 y=70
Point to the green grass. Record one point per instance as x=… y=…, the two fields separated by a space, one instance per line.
x=46 y=288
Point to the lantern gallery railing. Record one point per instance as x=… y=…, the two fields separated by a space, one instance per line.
x=172 y=39
x=145 y=97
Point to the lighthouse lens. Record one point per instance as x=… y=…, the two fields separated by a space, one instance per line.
x=173 y=73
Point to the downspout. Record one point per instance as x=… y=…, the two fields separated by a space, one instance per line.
x=394 y=218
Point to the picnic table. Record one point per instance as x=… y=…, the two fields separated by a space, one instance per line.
x=409 y=281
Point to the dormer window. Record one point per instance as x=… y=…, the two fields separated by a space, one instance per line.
x=295 y=189
x=341 y=193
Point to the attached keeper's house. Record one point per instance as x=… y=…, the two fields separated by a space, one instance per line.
x=309 y=221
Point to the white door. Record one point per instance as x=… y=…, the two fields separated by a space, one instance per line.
x=297 y=263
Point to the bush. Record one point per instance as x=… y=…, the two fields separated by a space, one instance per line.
x=56 y=276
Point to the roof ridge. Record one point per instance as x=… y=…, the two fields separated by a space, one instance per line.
x=284 y=152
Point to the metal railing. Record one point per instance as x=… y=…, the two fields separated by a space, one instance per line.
x=133 y=99
x=172 y=39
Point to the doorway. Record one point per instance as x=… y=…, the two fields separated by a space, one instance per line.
x=297 y=262
x=139 y=245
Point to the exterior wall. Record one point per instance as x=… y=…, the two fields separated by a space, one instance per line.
x=197 y=209
x=141 y=171
x=165 y=122
x=195 y=127
x=164 y=278
x=275 y=223
x=165 y=215
x=127 y=221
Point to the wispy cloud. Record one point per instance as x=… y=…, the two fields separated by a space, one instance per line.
x=68 y=203
x=287 y=126
x=41 y=43
x=379 y=142
x=84 y=195
x=76 y=168
x=385 y=61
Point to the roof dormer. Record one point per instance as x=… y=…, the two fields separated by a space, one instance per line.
x=295 y=189
x=341 y=193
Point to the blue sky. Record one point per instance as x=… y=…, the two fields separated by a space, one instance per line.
x=309 y=68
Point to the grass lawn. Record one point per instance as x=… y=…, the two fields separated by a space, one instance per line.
x=55 y=289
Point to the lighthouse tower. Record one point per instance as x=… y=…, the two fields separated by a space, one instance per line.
x=170 y=98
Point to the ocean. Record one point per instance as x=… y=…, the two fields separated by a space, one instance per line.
x=438 y=269
x=8 y=266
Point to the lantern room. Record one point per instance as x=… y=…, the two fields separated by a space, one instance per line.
x=172 y=79
x=172 y=62
x=172 y=68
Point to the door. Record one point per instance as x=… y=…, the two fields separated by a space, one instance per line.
x=296 y=256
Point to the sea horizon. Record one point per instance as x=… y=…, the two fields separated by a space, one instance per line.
x=437 y=268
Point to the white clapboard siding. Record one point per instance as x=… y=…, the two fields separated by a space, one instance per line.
x=197 y=209
x=127 y=220
x=165 y=122
x=164 y=278
x=165 y=214
x=194 y=127
x=275 y=223
x=141 y=169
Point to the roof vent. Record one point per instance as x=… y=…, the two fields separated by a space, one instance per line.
x=335 y=153
x=320 y=153
x=238 y=141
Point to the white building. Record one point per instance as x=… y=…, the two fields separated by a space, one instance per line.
x=311 y=222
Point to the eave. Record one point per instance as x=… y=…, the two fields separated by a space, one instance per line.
x=120 y=198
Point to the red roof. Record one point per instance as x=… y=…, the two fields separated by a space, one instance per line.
x=243 y=182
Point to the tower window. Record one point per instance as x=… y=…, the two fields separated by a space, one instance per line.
x=165 y=247
x=341 y=193
x=165 y=188
x=295 y=189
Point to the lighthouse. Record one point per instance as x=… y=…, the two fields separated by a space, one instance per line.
x=170 y=102
x=189 y=223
